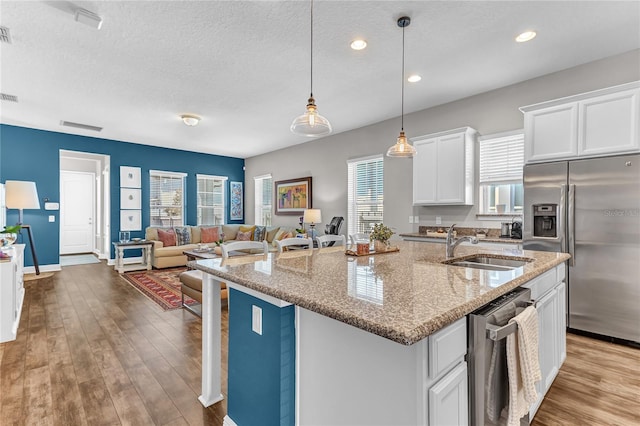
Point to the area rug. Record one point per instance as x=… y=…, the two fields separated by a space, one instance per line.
x=162 y=286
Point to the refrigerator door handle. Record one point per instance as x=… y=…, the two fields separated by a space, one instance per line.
x=562 y=219
x=571 y=221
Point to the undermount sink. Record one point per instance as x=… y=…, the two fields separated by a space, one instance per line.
x=489 y=262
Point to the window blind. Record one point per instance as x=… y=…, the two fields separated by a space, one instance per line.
x=263 y=199
x=166 y=198
x=211 y=199
x=502 y=158
x=365 y=193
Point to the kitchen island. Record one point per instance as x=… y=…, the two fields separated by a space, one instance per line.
x=318 y=337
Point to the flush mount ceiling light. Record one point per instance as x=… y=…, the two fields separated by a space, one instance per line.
x=89 y=18
x=414 y=78
x=311 y=123
x=402 y=148
x=358 y=44
x=526 y=36
x=190 y=119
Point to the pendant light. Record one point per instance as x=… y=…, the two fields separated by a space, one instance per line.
x=402 y=148
x=311 y=123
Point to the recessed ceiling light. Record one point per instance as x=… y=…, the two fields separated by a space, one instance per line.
x=414 y=78
x=358 y=44
x=526 y=36
x=190 y=119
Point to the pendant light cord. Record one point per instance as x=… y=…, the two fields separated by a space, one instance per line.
x=402 y=107
x=311 y=49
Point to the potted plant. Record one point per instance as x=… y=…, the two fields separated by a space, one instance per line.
x=380 y=236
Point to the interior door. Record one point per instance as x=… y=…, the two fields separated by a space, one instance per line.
x=77 y=212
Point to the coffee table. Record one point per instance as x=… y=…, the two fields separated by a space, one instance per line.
x=144 y=263
x=195 y=254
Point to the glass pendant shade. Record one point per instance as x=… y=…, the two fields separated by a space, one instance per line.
x=402 y=148
x=311 y=123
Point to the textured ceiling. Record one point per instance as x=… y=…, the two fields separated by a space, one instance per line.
x=244 y=65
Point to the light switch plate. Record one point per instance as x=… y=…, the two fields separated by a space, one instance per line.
x=52 y=218
x=416 y=219
x=410 y=219
x=438 y=220
x=256 y=319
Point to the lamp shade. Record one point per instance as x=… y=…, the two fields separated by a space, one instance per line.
x=312 y=216
x=21 y=195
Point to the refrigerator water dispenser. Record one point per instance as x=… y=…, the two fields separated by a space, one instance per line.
x=545 y=220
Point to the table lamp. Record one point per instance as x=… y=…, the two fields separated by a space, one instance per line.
x=23 y=195
x=312 y=216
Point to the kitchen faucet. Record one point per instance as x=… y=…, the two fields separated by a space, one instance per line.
x=452 y=243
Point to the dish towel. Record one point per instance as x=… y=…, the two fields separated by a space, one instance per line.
x=523 y=365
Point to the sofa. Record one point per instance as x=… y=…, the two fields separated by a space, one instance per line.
x=167 y=249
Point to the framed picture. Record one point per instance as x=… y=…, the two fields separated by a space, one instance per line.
x=130 y=220
x=237 y=210
x=130 y=199
x=129 y=177
x=293 y=196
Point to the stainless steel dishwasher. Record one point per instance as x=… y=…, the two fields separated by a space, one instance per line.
x=487 y=361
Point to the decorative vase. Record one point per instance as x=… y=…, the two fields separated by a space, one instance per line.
x=7 y=239
x=379 y=246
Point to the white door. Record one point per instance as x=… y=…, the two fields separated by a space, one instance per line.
x=77 y=201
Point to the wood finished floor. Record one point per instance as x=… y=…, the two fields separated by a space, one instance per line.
x=92 y=350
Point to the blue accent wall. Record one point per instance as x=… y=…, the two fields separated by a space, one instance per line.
x=34 y=155
x=261 y=382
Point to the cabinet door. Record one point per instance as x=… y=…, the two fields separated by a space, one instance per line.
x=448 y=399
x=551 y=133
x=609 y=124
x=425 y=171
x=547 y=308
x=562 y=323
x=451 y=169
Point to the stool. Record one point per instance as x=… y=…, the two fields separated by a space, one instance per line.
x=191 y=285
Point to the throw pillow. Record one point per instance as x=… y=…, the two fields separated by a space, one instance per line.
x=245 y=228
x=243 y=236
x=259 y=233
x=183 y=235
x=167 y=237
x=229 y=232
x=281 y=235
x=210 y=235
x=271 y=234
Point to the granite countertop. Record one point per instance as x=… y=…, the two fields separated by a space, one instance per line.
x=403 y=296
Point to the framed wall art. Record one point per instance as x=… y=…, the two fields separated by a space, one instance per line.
x=130 y=220
x=293 y=196
x=130 y=199
x=236 y=195
x=130 y=177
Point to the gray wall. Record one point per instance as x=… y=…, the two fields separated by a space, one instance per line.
x=491 y=112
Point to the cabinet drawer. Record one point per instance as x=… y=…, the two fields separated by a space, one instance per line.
x=447 y=347
x=561 y=272
x=542 y=284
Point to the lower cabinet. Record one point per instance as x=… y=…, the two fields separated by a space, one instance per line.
x=448 y=399
x=11 y=293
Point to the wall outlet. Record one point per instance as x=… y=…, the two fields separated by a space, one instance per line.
x=52 y=218
x=438 y=220
x=256 y=319
x=410 y=219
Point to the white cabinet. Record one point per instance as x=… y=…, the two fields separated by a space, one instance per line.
x=448 y=399
x=443 y=172
x=11 y=293
x=598 y=123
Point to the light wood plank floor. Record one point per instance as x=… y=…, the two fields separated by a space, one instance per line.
x=92 y=350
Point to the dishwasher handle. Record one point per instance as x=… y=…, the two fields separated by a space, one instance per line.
x=496 y=332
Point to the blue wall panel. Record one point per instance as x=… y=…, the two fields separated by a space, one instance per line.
x=34 y=155
x=261 y=368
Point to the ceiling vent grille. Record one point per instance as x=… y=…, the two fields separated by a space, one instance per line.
x=10 y=98
x=5 y=36
x=80 y=126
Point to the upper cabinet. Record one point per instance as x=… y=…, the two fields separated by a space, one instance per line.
x=593 y=124
x=443 y=168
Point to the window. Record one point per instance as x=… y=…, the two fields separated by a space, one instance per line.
x=364 y=193
x=211 y=199
x=501 y=163
x=166 y=198
x=264 y=199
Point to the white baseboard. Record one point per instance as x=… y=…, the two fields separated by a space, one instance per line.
x=43 y=268
x=228 y=422
x=127 y=260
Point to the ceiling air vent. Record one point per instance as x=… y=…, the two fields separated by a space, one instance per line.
x=80 y=126
x=10 y=98
x=5 y=37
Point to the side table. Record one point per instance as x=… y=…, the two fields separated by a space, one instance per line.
x=146 y=247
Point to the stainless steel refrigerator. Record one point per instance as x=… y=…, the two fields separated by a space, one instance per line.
x=591 y=209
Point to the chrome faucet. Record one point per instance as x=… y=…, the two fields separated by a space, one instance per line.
x=452 y=243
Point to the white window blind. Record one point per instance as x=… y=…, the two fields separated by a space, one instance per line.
x=502 y=158
x=166 y=198
x=263 y=199
x=365 y=193
x=211 y=199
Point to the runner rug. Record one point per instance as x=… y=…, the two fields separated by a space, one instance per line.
x=162 y=286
